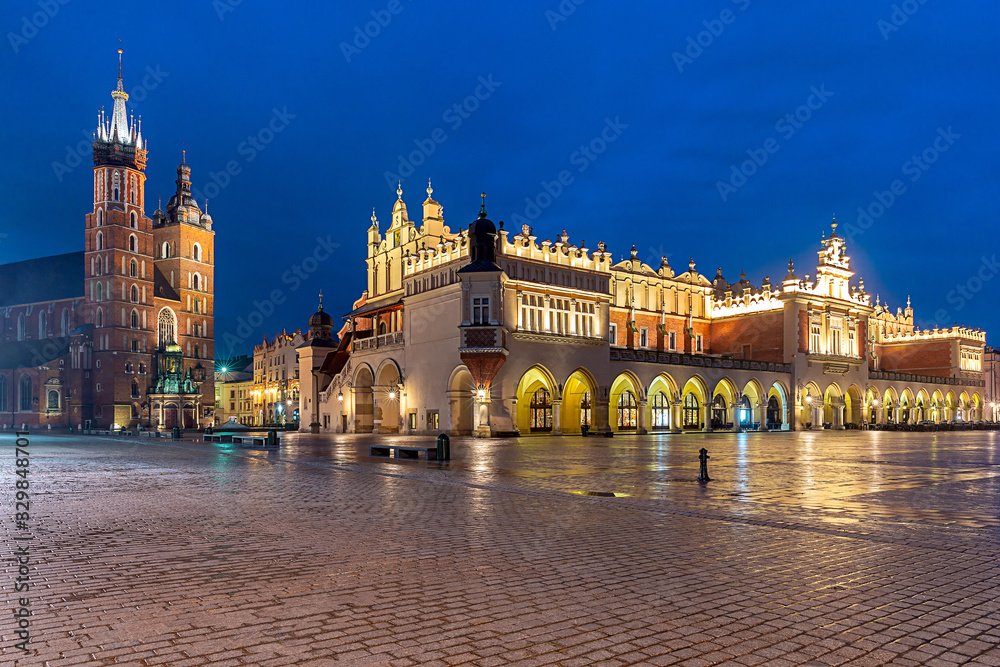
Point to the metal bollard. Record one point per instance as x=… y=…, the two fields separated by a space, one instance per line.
x=703 y=473
x=176 y=434
x=443 y=447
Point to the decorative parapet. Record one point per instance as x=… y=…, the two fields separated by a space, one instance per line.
x=743 y=305
x=393 y=339
x=923 y=379
x=561 y=252
x=935 y=334
x=704 y=361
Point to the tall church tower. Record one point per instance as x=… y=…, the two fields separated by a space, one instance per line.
x=119 y=268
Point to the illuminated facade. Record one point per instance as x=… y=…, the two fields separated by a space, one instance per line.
x=489 y=331
x=120 y=334
x=275 y=393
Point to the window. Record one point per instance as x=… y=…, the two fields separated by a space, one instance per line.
x=116 y=186
x=52 y=400
x=643 y=337
x=21 y=332
x=836 y=335
x=196 y=282
x=24 y=402
x=627 y=411
x=672 y=340
x=133 y=243
x=166 y=325
x=99 y=243
x=135 y=319
x=540 y=411
x=660 y=410
x=133 y=221
x=814 y=338
x=99 y=317
x=100 y=217
x=134 y=294
x=412 y=421
x=690 y=412
x=43 y=325
x=480 y=310
x=3 y=393
x=133 y=269
x=165 y=250
x=613 y=333
x=699 y=345
x=196 y=252
x=433 y=420
x=585 y=410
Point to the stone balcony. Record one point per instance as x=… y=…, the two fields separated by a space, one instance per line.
x=393 y=339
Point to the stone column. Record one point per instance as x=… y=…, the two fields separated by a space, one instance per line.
x=641 y=423
x=895 y=412
x=676 y=416
x=573 y=314
x=707 y=416
x=838 y=413
x=556 y=417
x=547 y=315
x=600 y=415
x=737 y=410
x=762 y=411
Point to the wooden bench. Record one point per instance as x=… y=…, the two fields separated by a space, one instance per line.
x=403 y=452
x=253 y=441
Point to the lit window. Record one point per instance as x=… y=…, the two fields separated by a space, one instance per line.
x=480 y=310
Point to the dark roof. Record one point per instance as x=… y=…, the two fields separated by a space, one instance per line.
x=43 y=279
x=32 y=353
x=335 y=361
x=372 y=307
x=479 y=266
x=162 y=288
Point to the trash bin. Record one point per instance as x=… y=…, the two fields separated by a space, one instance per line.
x=443 y=447
x=272 y=438
x=176 y=434
x=584 y=430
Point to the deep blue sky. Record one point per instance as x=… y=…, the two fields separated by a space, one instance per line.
x=656 y=185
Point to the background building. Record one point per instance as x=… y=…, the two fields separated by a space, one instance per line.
x=275 y=394
x=122 y=332
x=234 y=390
x=488 y=331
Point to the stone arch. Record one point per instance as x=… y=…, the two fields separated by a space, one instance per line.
x=810 y=413
x=833 y=403
x=579 y=394
x=364 y=399
x=963 y=407
x=723 y=403
x=538 y=386
x=624 y=406
x=921 y=406
x=387 y=394
x=854 y=406
x=977 y=407
x=937 y=407
x=906 y=406
x=693 y=397
x=950 y=405
x=661 y=397
x=461 y=398
x=777 y=406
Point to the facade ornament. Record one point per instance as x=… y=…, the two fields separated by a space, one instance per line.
x=399 y=191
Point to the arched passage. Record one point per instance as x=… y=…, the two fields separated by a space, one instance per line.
x=364 y=400
x=937 y=407
x=921 y=407
x=853 y=406
x=578 y=395
x=660 y=403
x=461 y=398
x=833 y=406
x=387 y=398
x=723 y=400
x=536 y=392
x=694 y=396
x=811 y=410
x=777 y=407
x=626 y=409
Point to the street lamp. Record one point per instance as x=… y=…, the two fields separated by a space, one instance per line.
x=340 y=396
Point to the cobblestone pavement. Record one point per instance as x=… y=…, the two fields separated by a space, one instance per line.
x=820 y=548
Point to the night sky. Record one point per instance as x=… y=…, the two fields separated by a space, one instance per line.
x=730 y=131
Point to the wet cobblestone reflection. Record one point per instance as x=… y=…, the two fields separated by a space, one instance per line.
x=819 y=548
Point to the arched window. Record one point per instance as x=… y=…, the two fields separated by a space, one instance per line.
x=99 y=295
x=196 y=282
x=691 y=416
x=43 y=325
x=719 y=412
x=135 y=389
x=196 y=252
x=660 y=410
x=134 y=294
x=773 y=412
x=133 y=243
x=381 y=328
x=135 y=318
x=53 y=400
x=627 y=410
x=100 y=217
x=135 y=344
x=166 y=325
x=3 y=393
x=746 y=412
x=133 y=269
x=133 y=221
x=117 y=185
x=99 y=245
x=541 y=411
x=165 y=250
x=20 y=327
x=64 y=323
x=99 y=318
x=585 y=410
x=24 y=400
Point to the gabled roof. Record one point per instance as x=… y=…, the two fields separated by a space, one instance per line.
x=162 y=288
x=43 y=279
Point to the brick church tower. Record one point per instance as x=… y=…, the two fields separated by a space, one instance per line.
x=118 y=262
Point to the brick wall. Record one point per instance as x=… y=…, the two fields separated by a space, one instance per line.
x=763 y=332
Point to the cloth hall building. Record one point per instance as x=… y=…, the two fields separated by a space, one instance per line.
x=491 y=332
x=120 y=333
